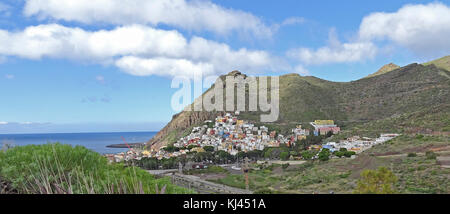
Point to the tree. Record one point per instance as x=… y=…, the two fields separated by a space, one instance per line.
x=209 y=148
x=379 y=181
x=349 y=154
x=324 y=155
x=329 y=134
x=284 y=155
x=191 y=146
x=339 y=154
x=308 y=155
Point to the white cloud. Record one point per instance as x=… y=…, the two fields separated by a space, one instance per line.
x=9 y=76
x=335 y=52
x=57 y=41
x=100 y=79
x=424 y=29
x=170 y=67
x=3 y=123
x=155 y=52
x=189 y=15
x=301 y=70
x=293 y=21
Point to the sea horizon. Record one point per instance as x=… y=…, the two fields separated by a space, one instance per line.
x=95 y=141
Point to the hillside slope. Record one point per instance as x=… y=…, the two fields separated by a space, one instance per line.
x=386 y=68
x=408 y=90
x=443 y=63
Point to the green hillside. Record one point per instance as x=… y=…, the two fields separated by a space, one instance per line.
x=387 y=68
x=401 y=98
x=443 y=63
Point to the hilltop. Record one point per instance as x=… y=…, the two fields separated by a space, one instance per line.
x=386 y=68
x=411 y=98
x=443 y=63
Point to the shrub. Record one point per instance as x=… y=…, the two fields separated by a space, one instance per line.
x=349 y=154
x=209 y=148
x=284 y=155
x=412 y=154
x=171 y=148
x=339 y=154
x=308 y=155
x=58 y=168
x=381 y=181
x=430 y=155
x=324 y=155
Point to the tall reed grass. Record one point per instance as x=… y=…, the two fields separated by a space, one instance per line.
x=63 y=169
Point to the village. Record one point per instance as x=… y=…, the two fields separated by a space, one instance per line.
x=230 y=134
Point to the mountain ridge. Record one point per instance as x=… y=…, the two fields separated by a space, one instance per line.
x=412 y=88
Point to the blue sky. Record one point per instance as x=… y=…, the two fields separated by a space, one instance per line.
x=96 y=65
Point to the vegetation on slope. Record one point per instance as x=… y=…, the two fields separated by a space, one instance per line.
x=58 y=168
x=386 y=68
x=443 y=63
x=400 y=97
x=418 y=174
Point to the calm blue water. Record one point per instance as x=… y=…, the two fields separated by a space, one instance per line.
x=93 y=141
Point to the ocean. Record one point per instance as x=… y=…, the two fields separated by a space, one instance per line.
x=94 y=141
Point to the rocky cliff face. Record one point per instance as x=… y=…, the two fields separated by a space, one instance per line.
x=179 y=125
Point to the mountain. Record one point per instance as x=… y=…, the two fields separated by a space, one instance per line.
x=413 y=97
x=443 y=63
x=386 y=68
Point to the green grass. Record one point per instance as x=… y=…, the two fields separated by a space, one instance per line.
x=209 y=170
x=58 y=168
x=405 y=144
x=415 y=174
x=443 y=63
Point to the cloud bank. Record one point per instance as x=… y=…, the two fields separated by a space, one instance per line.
x=136 y=49
x=189 y=15
x=422 y=29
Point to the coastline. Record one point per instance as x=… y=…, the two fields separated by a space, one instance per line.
x=122 y=145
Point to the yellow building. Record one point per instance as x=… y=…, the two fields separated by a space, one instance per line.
x=301 y=137
x=324 y=122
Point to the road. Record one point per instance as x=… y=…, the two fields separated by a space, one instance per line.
x=198 y=184
x=202 y=186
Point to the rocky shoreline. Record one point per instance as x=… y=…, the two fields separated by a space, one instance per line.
x=122 y=145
